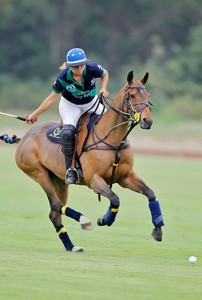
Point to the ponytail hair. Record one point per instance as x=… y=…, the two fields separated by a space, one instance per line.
x=63 y=67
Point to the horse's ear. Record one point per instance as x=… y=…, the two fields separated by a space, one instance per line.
x=130 y=76
x=145 y=78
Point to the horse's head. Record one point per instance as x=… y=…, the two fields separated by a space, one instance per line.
x=137 y=101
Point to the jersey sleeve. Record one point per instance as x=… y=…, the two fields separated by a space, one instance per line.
x=96 y=70
x=57 y=87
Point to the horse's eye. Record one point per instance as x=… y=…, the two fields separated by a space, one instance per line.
x=132 y=96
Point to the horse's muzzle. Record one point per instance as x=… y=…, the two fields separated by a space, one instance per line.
x=146 y=123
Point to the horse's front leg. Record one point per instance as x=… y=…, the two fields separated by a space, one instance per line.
x=134 y=183
x=100 y=186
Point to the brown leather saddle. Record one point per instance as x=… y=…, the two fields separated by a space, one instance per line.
x=84 y=126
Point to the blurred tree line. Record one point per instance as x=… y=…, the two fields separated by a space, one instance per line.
x=161 y=37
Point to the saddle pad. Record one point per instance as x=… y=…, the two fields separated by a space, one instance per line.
x=54 y=133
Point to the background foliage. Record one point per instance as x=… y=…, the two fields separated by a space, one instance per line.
x=163 y=38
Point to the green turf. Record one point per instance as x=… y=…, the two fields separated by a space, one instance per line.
x=121 y=262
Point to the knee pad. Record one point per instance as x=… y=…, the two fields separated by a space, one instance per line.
x=68 y=133
x=68 y=139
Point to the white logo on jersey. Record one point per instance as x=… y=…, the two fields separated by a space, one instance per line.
x=93 y=81
x=71 y=88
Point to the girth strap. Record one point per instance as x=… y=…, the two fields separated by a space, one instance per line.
x=122 y=146
x=115 y=165
x=107 y=147
x=118 y=149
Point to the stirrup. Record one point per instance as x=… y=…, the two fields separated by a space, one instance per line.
x=73 y=173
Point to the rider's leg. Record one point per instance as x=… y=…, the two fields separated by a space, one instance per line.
x=69 y=113
x=68 y=144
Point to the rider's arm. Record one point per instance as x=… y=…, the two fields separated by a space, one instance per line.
x=45 y=105
x=104 y=82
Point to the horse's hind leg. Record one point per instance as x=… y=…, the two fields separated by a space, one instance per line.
x=134 y=183
x=56 y=218
x=61 y=190
x=34 y=169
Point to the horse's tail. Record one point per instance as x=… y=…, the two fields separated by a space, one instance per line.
x=10 y=140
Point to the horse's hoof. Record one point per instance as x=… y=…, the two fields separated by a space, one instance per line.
x=100 y=222
x=85 y=223
x=77 y=249
x=157 y=234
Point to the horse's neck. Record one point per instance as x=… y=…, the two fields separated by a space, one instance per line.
x=112 y=123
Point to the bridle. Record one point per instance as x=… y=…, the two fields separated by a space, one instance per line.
x=135 y=113
x=132 y=114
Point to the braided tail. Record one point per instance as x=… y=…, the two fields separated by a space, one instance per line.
x=9 y=140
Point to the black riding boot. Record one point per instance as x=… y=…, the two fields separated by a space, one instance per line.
x=68 y=144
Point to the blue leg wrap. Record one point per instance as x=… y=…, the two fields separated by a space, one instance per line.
x=157 y=218
x=63 y=235
x=73 y=214
x=110 y=215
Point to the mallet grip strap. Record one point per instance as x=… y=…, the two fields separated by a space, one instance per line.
x=21 y=118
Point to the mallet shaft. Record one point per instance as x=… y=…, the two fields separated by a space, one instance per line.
x=13 y=116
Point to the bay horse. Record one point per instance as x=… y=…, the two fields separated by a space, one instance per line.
x=106 y=158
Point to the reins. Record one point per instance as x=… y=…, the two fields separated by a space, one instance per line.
x=133 y=117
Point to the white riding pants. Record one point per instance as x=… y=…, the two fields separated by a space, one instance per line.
x=70 y=112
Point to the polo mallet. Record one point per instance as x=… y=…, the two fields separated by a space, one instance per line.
x=17 y=117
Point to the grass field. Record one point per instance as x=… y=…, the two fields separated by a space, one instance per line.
x=121 y=262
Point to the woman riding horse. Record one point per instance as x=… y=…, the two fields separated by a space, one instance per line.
x=77 y=83
x=107 y=158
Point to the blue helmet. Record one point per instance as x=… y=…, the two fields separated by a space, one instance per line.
x=76 y=57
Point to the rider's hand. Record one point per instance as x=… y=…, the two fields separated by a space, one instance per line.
x=31 y=119
x=104 y=93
